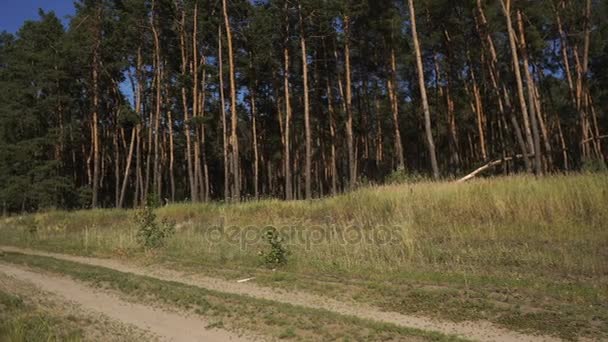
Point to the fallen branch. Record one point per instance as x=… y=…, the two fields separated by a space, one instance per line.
x=490 y=165
x=601 y=137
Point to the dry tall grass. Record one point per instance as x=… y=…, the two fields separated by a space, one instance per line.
x=555 y=226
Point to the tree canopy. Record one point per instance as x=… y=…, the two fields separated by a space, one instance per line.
x=203 y=100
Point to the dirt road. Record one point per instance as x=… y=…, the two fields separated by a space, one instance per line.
x=478 y=330
x=168 y=326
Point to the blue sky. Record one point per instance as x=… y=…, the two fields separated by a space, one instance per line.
x=14 y=12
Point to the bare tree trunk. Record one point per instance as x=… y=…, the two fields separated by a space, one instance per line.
x=234 y=144
x=288 y=185
x=543 y=127
x=564 y=50
x=332 y=137
x=204 y=182
x=134 y=130
x=95 y=116
x=184 y=62
x=332 y=129
x=195 y=104
x=352 y=168
x=116 y=161
x=223 y=117
x=379 y=156
x=139 y=182
x=563 y=145
x=587 y=109
x=127 y=169
x=495 y=78
x=171 y=154
x=530 y=86
x=392 y=95
x=425 y=104
x=256 y=167
x=478 y=107
x=506 y=7
x=307 y=167
x=158 y=101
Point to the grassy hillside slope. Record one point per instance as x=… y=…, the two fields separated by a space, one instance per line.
x=519 y=251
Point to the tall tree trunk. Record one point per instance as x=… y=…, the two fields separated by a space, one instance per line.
x=234 y=144
x=307 y=167
x=496 y=84
x=286 y=145
x=184 y=63
x=530 y=87
x=254 y=134
x=564 y=50
x=195 y=104
x=204 y=182
x=392 y=95
x=171 y=153
x=352 y=168
x=134 y=130
x=223 y=117
x=425 y=104
x=332 y=128
x=95 y=115
x=506 y=7
x=478 y=108
x=157 y=103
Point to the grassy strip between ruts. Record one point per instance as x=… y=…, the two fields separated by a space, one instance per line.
x=22 y=322
x=230 y=311
x=567 y=310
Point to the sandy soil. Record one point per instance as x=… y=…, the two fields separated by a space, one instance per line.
x=167 y=326
x=94 y=326
x=478 y=330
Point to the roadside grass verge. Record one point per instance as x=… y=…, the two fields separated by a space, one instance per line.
x=22 y=322
x=528 y=253
x=235 y=312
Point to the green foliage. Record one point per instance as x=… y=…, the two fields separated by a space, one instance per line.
x=152 y=234
x=276 y=255
x=127 y=117
x=594 y=165
x=402 y=176
x=48 y=95
x=29 y=228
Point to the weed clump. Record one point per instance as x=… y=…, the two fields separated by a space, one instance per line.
x=152 y=234
x=276 y=256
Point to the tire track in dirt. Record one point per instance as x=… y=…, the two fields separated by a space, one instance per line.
x=168 y=326
x=477 y=330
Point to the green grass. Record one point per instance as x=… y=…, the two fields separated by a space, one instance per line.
x=233 y=311
x=519 y=251
x=21 y=322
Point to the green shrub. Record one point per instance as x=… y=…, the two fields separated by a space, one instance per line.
x=276 y=256
x=151 y=234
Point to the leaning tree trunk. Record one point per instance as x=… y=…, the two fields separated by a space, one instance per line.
x=425 y=103
x=530 y=87
x=506 y=7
